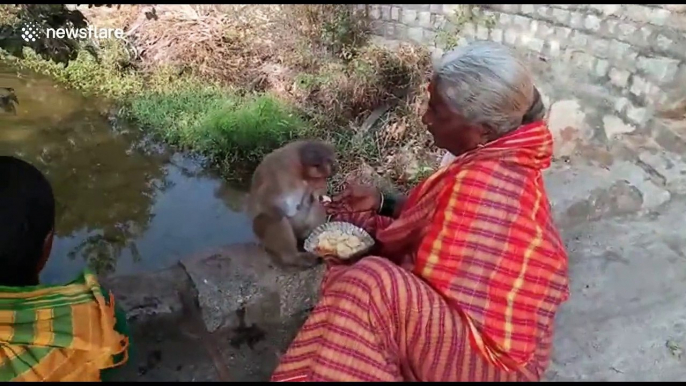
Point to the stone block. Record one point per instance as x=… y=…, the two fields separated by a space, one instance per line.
x=395 y=13
x=615 y=126
x=417 y=7
x=438 y=22
x=497 y=35
x=560 y=15
x=505 y=19
x=545 y=30
x=637 y=115
x=374 y=12
x=385 y=12
x=629 y=61
x=240 y=277
x=415 y=34
x=424 y=19
x=621 y=104
x=676 y=8
x=592 y=23
x=618 y=50
x=580 y=40
x=521 y=22
x=528 y=9
x=535 y=44
x=146 y=296
x=481 y=32
x=489 y=14
x=645 y=33
x=533 y=26
x=510 y=8
x=636 y=12
x=409 y=16
x=664 y=43
x=625 y=30
x=659 y=16
x=429 y=37
x=544 y=12
x=377 y=27
x=600 y=48
x=639 y=86
x=583 y=61
x=654 y=96
x=609 y=27
x=563 y=33
x=577 y=20
x=469 y=30
x=659 y=69
x=511 y=36
x=395 y=31
x=554 y=48
x=610 y=9
x=436 y=8
x=619 y=77
x=450 y=9
x=601 y=68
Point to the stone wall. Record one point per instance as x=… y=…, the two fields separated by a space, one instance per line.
x=610 y=67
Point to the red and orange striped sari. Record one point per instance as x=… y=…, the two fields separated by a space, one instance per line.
x=472 y=275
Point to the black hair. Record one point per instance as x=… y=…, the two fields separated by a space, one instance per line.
x=27 y=215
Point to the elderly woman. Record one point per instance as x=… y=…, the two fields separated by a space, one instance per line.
x=470 y=270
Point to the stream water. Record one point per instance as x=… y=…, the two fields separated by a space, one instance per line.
x=124 y=203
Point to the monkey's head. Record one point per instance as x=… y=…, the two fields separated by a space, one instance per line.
x=318 y=161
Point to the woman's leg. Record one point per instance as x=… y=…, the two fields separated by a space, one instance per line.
x=378 y=322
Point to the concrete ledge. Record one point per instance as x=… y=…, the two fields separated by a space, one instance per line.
x=240 y=279
x=145 y=296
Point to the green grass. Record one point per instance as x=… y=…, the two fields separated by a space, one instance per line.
x=234 y=131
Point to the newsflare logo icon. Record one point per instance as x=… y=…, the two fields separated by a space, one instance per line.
x=29 y=32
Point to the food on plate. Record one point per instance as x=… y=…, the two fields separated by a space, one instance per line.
x=338 y=243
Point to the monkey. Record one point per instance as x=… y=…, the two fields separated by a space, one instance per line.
x=284 y=200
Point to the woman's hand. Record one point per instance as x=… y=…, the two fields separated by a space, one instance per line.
x=360 y=198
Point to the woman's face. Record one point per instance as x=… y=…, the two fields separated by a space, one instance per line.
x=448 y=129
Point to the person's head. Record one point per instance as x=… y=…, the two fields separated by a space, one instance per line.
x=27 y=218
x=478 y=93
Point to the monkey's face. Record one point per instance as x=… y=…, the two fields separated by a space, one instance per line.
x=322 y=170
x=318 y=161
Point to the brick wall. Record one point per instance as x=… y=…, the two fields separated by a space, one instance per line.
x=606 y=68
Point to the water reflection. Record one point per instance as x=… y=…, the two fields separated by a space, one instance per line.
x=123 y=205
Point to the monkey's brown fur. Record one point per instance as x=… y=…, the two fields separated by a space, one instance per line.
x=284 y=198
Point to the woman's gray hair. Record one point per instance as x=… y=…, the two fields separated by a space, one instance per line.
x=488 y=85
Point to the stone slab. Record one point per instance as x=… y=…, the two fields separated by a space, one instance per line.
x=240 y=277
